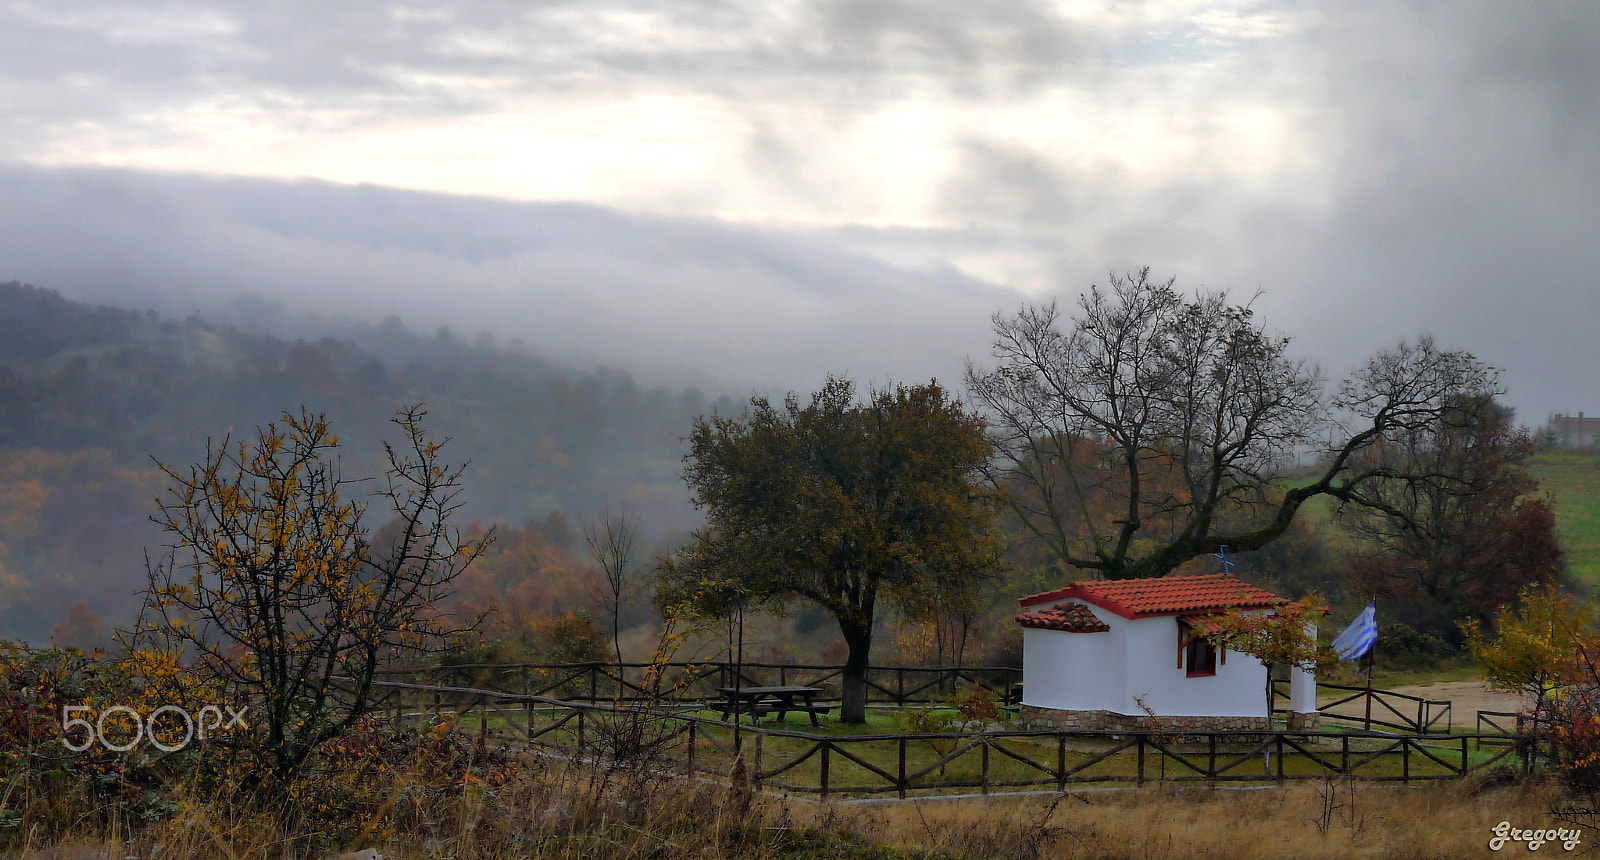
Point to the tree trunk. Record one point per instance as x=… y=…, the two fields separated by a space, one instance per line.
x=854 y=707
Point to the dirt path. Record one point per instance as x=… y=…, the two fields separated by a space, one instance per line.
x=1466 y=697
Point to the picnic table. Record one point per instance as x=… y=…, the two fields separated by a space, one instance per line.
x=756 y=701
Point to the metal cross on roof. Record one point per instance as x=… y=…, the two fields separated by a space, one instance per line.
x=1227 y=562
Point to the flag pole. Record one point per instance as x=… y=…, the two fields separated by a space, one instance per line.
x=1372 y=660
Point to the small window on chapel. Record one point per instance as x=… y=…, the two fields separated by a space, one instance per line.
x=1200 y=658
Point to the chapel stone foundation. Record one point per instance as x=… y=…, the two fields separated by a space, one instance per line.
x=1035 y=717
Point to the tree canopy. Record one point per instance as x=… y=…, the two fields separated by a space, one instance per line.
x=1155 y=427
x=1462 y=547
x=842 y=504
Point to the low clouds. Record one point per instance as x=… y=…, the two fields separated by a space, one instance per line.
x=578 y=282
x=1463 y=190
x=828 y=182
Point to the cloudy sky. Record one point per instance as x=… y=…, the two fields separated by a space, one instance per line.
x=770 y=191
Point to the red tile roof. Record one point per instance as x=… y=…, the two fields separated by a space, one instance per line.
x=1069 y=617
x=1171 y=595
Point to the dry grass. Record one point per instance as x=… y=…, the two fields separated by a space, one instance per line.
x=1372 y=822
x=562 y=809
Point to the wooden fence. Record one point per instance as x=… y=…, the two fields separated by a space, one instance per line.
x=1390 y=710
x=1504 y=722
x=688 y=682
x=809 y=762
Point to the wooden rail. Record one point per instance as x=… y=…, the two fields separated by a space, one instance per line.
x=686 y=682
x=809 y=762
x=1420 y=716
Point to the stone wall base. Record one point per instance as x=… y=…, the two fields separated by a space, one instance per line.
x=1035 y=717
x=1303 y=722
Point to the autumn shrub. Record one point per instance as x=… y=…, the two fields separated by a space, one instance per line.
x=927 y=720
x=1537 y=649
x=374 y=779
x=50 y=780
x=1398 y=640
x=973 y=710
x=1578 y=749
x=380 y=779
x=1571 y=714
x=979 y=707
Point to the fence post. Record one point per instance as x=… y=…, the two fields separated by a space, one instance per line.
x=1139 y=780
x=1405 y=762
x=530 y=719
x=1344 y=755
x=1061 y=761
x=984 y=778
x=483 y=719
x=690 y=758
x=900 y=686
x=901 y=782
x=756 y=776
x=826 y=746
x=582 y=712
x=594 y=683
x=1463 y=755
x=1279 y=736
x=1211 y=767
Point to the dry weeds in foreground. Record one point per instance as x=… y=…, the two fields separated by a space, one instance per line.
x=1311 y=821
x=571 y=815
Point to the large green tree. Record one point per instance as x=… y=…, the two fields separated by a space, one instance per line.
x=840 y=503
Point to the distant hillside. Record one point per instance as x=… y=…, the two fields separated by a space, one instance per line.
x=88 y=395
x=1574 y=482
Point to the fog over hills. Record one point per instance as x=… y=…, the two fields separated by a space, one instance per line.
x=731 y=307
x=658 y=296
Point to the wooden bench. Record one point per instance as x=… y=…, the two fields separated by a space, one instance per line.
x=728 y=707
x=780 y=710
x=759 y=701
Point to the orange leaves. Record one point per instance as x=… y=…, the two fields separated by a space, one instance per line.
x=1283 y=636
x=273 y=582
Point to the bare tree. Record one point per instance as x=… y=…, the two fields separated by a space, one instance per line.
x=611 y=542
x=275 y=586
x=1155 y=428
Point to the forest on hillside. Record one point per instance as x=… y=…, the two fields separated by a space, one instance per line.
x=91 y=397
x=94 y=398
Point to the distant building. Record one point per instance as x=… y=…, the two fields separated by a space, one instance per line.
x=1567 y=431
x=1110 y=654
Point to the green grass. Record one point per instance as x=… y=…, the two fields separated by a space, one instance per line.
x=1573 y=482
x=1461 y=668
x=715 y=744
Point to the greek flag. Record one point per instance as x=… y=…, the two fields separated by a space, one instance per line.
x=1357 y=639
